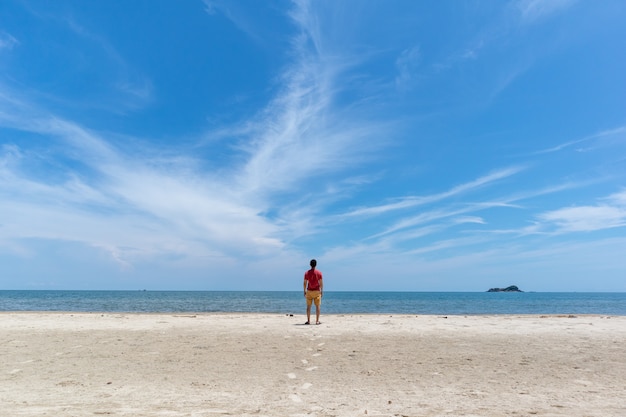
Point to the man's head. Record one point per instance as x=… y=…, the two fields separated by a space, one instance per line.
x=313 y=263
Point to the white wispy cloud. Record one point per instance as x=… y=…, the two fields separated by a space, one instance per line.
x=551 y=189
x=127 y=194
x=618 y=131
x=607 y=215
x=435 y=215
x=618 y=199
x=418 y=233
x=302 y=134
x=132 y=203
x=447 y=244
x=409 y=202
x=7 y=41
x=406 y=66
x=490 y=43
x=241 y=17
x=469 y=219
x=125 y=87
x=534 y=10
x=586 y=218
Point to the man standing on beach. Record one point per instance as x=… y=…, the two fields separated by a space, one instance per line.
x=313 y=290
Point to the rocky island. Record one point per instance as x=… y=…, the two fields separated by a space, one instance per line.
x=512 y=288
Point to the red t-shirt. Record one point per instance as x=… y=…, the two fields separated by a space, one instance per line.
x=313 y=276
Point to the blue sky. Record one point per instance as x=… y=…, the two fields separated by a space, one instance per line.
x=408 y=146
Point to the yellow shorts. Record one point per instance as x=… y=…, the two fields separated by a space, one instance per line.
x=313 y=296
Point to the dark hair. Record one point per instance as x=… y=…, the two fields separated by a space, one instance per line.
x=313 y=262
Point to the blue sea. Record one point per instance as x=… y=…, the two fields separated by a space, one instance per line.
x=288 y=302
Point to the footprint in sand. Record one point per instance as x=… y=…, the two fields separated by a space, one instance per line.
x=295 y=398
x=317 y=354
x=312 y=368
x=306 y=385
x=291 y=375
x=304 y=361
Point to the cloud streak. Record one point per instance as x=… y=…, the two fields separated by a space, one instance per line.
x=7 y=42
x=608 y=215
x=535 y=10
x=409 y=202
x=596 y=136
x=407 y=64
x=302 y=135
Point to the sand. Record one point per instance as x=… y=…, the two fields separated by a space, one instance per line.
x=92 y=364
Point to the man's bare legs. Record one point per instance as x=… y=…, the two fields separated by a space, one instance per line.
x=317 y=314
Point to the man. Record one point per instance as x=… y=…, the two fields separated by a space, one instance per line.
x=313 y=290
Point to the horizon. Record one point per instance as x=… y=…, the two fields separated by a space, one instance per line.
x=325 y=291
x=217 y=145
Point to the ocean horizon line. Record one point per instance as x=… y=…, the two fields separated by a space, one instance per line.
x=343 y=302
x=326 y=291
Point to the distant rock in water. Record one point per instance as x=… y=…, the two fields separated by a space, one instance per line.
x=512 y=288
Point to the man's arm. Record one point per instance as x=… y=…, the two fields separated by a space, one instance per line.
x=321 y=286
x=304 y=286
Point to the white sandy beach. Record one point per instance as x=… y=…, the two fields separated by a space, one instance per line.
x=90 y=364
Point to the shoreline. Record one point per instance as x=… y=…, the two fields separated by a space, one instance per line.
x=301 y=313
x=212 y=364
x=278 y=314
